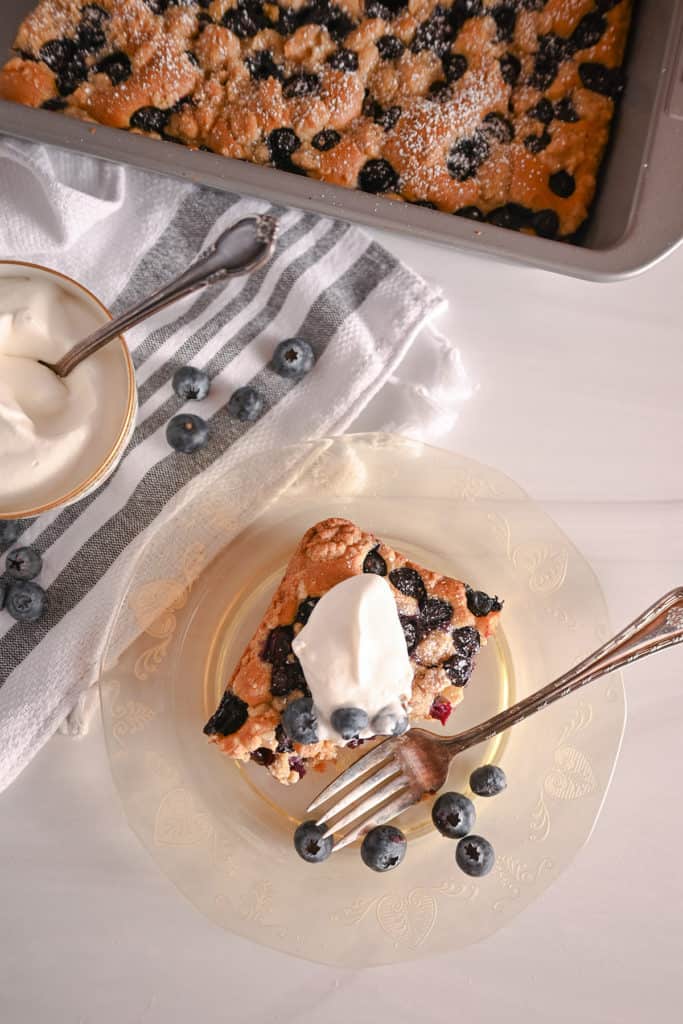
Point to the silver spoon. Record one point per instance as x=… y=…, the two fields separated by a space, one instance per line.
x=245 y=246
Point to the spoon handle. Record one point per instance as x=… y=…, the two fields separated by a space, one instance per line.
x=243 y=247
x=658 y=627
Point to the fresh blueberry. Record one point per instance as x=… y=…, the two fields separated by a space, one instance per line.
x=466 y=640
x=231 y=714
x=480 y=603
x=189 y=383
x=304 y=610
x=475 y=856
x=373 y=562
x=9 y=531
x=377 y=176
x=348 y=722
x=409 y=582
x=489 y=780
x=389 y=722
x=25 y=601
x=383 y=848
x=454 y=815
x=187 y=433
x=293 y=358
x=300 y=721
x=23 y=563
x=309 y=842
x=435 y=614
x=246 y=404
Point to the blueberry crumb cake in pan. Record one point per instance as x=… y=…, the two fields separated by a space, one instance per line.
x=444 y=622
x=495 y=110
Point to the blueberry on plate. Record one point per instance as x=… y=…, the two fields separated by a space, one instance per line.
x=453 y=815
x=349 y=722
x=309 y=842
x=187 y=433
x=25 y=601
x=383 y=848
x=475 y=856
x=9 y=531
x=189 y=383
x=23 y=564
x=300 y=721
x=293 y=358
x=488 y=780
x=390 y=722
x=245 y=404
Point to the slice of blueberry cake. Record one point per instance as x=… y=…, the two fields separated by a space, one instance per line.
x=444 y=623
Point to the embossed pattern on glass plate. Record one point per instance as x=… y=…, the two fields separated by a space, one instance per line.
x=222 y=833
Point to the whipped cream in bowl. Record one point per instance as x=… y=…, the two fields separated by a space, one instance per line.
x=59 y=438
x=353 y=654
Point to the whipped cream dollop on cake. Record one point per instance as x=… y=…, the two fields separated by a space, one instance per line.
x=280 y=707
x=354 y=658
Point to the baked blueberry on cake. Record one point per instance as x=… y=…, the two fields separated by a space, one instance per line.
x=357 y=641
x=494 y=110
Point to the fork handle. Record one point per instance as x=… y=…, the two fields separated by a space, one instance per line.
x=658 y=627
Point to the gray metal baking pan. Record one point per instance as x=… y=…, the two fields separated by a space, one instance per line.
x=636 y=221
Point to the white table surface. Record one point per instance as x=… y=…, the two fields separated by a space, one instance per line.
x=579 y=399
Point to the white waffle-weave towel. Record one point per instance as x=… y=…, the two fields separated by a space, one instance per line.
x=123 y=233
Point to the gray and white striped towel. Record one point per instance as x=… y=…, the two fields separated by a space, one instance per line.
x=123 y=233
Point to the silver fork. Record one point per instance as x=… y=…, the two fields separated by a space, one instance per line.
x=405 y=768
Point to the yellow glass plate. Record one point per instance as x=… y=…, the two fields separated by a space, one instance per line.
x=223 y=832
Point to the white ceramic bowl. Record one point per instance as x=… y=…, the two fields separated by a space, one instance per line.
x=96 y=466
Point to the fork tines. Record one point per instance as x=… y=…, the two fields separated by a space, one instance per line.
x=368 y=800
